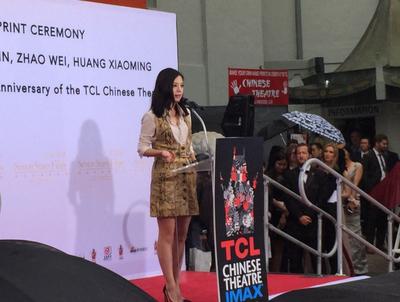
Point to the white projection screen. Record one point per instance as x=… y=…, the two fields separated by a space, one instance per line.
x=75 y=79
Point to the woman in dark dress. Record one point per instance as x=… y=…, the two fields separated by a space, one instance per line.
x=278 y=212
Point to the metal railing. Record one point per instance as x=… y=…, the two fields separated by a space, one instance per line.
x=389 y=255
x=317 y=252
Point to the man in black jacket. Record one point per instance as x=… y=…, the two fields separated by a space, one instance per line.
x=377 y=163
x=302 y=221
x=391 y=158
x=363 y=150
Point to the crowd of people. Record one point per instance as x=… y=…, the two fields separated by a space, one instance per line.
x=362 y=163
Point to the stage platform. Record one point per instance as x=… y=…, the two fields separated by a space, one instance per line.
x=202 y=287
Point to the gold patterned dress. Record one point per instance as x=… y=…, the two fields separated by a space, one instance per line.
x=172 y=194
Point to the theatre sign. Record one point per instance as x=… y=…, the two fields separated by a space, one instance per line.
x=353 y=111
x=269 y=87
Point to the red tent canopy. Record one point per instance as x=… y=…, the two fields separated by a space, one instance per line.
x=387 y=192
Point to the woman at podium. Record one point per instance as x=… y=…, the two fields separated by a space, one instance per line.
x=166 y=135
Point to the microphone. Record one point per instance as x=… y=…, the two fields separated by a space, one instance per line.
x=191 y=104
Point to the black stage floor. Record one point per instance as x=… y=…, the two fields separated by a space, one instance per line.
x=385 y=288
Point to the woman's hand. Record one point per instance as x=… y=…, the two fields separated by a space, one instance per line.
x=282 y=222
x=305 y=220
x=353 y=203
x=279 y=204
x=167 y=156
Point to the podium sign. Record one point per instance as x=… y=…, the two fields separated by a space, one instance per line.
x=239 y=220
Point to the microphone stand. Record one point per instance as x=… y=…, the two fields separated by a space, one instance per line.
x=204 y=128
x=211 y=169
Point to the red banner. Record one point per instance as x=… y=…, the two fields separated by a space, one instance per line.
x=269 y=87
x=130 y=3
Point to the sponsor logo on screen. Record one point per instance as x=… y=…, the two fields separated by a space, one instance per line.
x=107 y=253
x=40 y=169
x=93 y=255
x=137 y=249
x=120 y=252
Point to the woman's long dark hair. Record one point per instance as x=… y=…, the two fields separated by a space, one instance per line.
x=277 y=156
x=163 y=97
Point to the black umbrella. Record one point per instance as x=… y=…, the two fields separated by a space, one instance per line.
x=275 y=128
x=10 y=292
x=30 y=272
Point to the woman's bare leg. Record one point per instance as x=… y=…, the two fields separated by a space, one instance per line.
x=165 y=253
x=182 y=225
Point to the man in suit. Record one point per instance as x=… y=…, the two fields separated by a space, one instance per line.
x=363 y=150
x=376 y=166
x=302 y=221
x=355 y=140
x=391 y=158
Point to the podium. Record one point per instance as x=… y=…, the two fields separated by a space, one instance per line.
x=205 y=165
x=238 y=215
